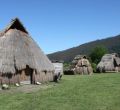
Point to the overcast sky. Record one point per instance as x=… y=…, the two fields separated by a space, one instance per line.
x=61 y=24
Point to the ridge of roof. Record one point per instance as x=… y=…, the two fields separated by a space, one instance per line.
x=15 y=23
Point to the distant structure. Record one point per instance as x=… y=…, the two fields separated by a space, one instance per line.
x=109 y=63
x=58 y=66
x=81 y=65
x=21 y=59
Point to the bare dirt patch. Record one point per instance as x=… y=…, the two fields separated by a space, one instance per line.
x=28 y=88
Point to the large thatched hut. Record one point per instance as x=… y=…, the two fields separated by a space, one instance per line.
x=109 y=63
x=21 y=59
x=81 y=65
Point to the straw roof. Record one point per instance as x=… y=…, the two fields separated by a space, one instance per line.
x=81 y=65
x=109 y=62
x=18 y=49
x=78 y=57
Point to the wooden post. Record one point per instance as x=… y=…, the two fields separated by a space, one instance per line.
x=33 y=77
x=18 y=77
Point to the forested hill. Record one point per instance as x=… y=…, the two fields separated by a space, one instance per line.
x=112 y=44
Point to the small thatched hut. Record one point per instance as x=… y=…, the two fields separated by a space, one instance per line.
x=109 y=63
x=81 y=65
x=21 y=59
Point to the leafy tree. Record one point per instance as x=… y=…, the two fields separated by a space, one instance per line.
x=97 y=54
x=66 y=66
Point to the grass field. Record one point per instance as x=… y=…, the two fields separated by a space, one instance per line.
x=95 y=92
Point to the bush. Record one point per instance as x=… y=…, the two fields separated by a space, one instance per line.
x=94 y=66
x=69 y=72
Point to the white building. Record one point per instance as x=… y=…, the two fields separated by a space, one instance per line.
x=58 y=70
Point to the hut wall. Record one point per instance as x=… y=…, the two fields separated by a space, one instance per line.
x=83 y=70
x=44 y=77
x=23 y=76
x=117 y=69
x=9 y=79
x=90 y=70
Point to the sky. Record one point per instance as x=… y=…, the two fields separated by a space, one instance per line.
x=61 y=24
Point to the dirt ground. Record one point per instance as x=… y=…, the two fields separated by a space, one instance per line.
x=28 y=88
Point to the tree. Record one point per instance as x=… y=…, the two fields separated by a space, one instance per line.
x=97 y=54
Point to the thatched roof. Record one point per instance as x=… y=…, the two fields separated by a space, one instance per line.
x=78 y=57
x=18 y=49
x=81 y=65
x=109 y=62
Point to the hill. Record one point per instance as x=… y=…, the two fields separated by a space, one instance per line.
x=111 y=43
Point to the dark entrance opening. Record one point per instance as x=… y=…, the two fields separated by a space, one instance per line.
x=29 y=73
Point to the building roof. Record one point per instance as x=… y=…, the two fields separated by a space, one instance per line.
x=109 y=62
x=18 y=50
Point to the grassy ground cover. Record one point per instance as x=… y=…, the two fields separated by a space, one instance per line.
x=75 y=92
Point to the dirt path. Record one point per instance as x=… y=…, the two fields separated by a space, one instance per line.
x=28 y=88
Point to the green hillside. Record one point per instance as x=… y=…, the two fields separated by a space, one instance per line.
x=95 y=92
x=112 y=44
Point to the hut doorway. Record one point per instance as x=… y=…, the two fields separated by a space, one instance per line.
x=26 y=76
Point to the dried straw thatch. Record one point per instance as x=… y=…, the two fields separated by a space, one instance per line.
x=109 y=63
x=19 y=54
x=81 y=65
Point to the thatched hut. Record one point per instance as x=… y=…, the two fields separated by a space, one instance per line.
x=81 y=65
x=21 y=59
x=109 y=63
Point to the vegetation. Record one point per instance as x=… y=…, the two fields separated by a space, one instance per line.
x=66 y=66
x=97 y=54
x=112 y=44
x=94 y=66
x=95 y=92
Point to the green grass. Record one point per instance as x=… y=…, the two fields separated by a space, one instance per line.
x=95 y=92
